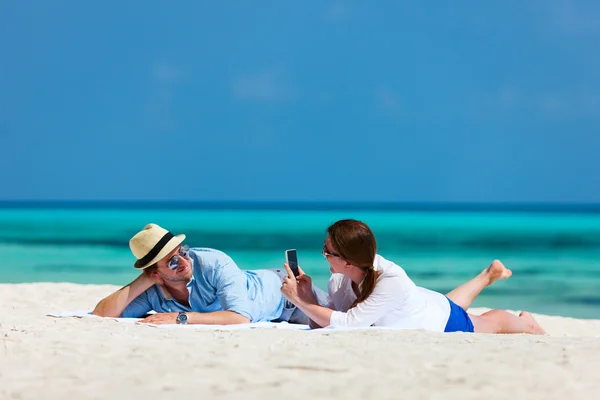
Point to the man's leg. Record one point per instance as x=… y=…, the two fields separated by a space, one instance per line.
x=467 y=292
x=322 y=296
x=298 y=317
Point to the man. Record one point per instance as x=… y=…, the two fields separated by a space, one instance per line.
x=196 y=286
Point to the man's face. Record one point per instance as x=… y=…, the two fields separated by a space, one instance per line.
x=182 y=273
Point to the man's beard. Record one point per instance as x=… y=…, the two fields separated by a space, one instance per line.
x=176 y=278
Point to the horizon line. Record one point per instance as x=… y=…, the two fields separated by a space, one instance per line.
x=304 y=205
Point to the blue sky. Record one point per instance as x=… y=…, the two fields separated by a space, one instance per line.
x=348 y=101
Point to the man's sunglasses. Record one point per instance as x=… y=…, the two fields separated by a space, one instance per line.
x=174 y=261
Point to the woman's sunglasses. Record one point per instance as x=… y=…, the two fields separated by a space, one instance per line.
x=326 y=254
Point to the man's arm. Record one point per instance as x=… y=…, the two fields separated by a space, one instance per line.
x=115 y=304
x=217 y=318
x=211 y=318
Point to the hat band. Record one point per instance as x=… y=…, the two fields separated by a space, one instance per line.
x=155 y=250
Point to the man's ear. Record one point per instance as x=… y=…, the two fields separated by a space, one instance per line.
x=151 y=273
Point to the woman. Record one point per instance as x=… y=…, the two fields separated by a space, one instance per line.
x=368 y=290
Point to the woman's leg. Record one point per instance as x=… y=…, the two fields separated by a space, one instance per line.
x=467 y=292
x=498 y=321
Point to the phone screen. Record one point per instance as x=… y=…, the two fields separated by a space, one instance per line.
x=291 y=257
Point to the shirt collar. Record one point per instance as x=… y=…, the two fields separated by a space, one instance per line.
x=165 y=292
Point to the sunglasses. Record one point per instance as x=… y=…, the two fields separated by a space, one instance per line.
x=174 y=261
x=327 y=254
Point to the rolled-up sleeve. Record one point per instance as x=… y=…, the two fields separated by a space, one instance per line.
x=387 y=294
x=232 y=288
x=138 y=307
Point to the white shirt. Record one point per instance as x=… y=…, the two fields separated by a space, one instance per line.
x=395 y=302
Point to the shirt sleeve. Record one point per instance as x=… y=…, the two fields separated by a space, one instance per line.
x=388 y=293
x=232 y=291
x=138 y=307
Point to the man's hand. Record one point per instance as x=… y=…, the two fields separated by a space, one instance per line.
x=161 y=318
x=305 y=290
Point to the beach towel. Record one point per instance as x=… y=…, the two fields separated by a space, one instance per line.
x=253 y=325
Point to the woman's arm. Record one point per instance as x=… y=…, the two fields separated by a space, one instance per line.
x=388 y=294
x=298 y=290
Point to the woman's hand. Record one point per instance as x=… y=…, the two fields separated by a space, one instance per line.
x=305 y=288
x=289 y=287
x=298 y=288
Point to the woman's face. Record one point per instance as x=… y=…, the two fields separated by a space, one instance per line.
x=336 y=264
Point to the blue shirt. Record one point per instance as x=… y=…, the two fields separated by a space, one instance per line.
x=217 y=284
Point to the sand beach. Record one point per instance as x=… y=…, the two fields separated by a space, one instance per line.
x=92 y=358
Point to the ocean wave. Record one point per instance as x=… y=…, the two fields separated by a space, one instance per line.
x=255 y=241
x=77 y=268
x=583 y=300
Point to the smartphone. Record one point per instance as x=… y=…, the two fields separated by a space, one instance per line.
x=291 y=258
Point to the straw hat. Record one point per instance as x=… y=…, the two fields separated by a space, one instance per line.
x=151 y=244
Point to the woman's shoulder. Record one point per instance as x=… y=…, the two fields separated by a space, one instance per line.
x=337 y=281
x=387 y=267
x=391 y=272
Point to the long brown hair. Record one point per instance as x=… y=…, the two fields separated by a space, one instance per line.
x=355 y=242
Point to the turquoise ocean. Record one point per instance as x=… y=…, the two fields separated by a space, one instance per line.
x=554 y=254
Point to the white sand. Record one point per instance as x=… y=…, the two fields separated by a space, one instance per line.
x=79 y=358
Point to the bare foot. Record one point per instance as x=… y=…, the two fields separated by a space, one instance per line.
x=536 y=329
x=496 y=271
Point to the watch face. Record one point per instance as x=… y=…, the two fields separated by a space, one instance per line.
x=182 y=318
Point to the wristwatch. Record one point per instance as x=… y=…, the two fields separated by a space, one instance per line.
x=182 y=318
